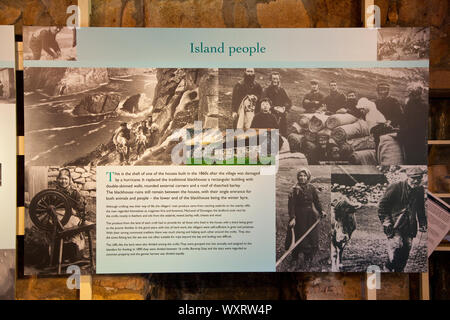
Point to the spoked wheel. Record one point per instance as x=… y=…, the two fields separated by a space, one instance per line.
x=46 y=201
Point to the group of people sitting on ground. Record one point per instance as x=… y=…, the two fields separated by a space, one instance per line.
x=141 y=137
x=253 y=107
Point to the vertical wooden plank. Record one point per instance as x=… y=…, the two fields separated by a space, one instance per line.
x=424 y=286
x=366 y=15
x=20 y=225
x=19 y=56
x=86 y=287
x=20 y=146
x=84 y=12
x=371 y=293
x=86 y=280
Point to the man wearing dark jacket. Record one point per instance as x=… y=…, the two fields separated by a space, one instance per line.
x=335 y=100
x=413 y=126
x=313 y=100
x=245 y=87
x=402 y=205
x=388 y=106
x=350 y=105
x=281 y=104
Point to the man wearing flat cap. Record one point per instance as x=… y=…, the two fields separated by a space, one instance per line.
x=313 y=100
x=399 y=210
x=387 y=105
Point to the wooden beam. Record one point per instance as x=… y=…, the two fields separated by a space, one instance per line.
x=371 y=293
x=84 y=12
x=366 y=15
x=20 y=225
x=86 y=287
x=19 y=56
x=20 y=146
x=424 y=286
x=438 y=141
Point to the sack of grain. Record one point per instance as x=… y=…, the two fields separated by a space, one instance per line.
x=317 y=122
x=304 y=119
x=311 y=136
x=338 y=120
x=347 y=132
x=292 y=159
x=362 y=143
x=389 y=150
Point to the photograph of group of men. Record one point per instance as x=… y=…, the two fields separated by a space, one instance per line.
x=346 y=116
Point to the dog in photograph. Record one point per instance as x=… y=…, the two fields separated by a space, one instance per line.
x=343 y=224
x=246 y=112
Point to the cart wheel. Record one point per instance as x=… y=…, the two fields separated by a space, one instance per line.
x=42 y=204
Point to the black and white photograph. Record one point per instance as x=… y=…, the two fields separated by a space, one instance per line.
x=378 y=218
x=303 y=221
x=7 y=274
x=113 y=116
x=403 y=43
x=333 y=116
x=60 y=217
x=50 y=43
x=7 y=86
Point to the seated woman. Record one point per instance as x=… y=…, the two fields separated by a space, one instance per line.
x=73 y=246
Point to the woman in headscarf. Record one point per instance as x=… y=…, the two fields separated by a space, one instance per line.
x=74 y=245
x=303 y=215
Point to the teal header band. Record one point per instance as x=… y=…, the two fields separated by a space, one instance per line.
x=229 y=48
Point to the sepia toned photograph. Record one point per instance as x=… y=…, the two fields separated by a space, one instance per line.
x=50 y=43
x=7 y=86
x=60 y=217
x=7 y=274
x=333 y=116
x=403 y=43
x=302 y=218
x=378 y=218
x=113 y=116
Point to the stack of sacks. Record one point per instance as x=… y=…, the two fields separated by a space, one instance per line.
x=339 y=137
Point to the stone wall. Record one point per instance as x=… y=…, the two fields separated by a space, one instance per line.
x=84 y=179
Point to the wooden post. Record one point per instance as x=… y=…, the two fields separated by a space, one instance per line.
x=366 y=14
x=371 y=293
x=86 y=287
x=86 y=280
x=84 y=12
x=424 y=286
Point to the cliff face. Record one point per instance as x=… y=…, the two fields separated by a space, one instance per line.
x=62 y=81
x=181 y=96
